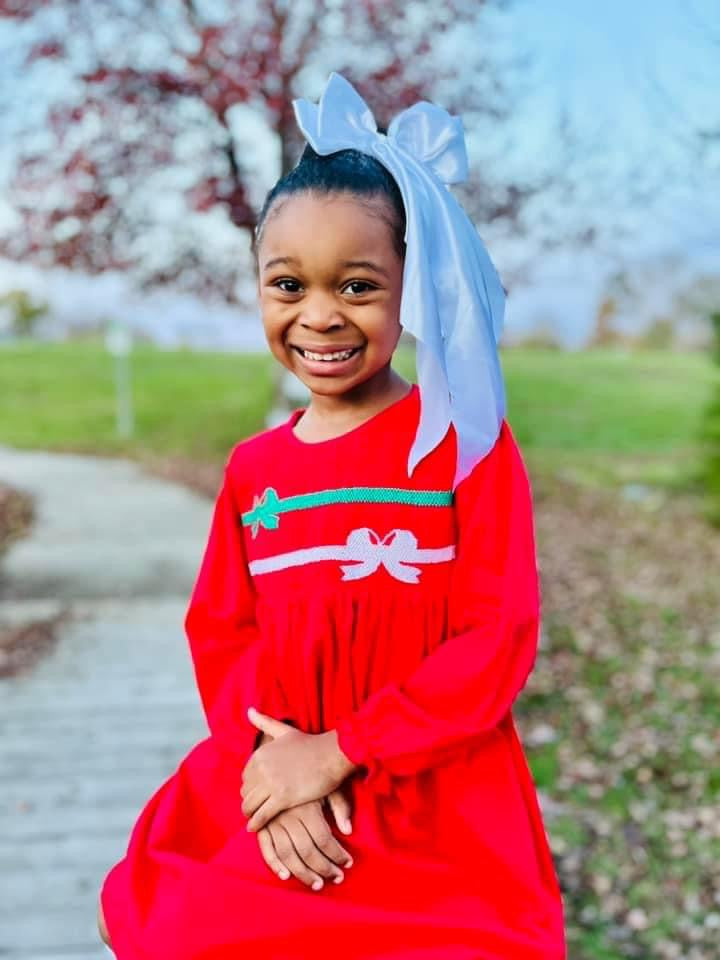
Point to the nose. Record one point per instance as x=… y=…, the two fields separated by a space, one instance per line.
x=320 y=313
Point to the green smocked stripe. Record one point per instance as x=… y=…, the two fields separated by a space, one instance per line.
x=267 y=509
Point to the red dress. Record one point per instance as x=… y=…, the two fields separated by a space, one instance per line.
x=337 y=593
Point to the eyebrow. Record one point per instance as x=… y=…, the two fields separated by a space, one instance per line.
x=276 y=260
x=367 y=265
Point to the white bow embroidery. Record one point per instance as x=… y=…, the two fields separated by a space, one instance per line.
x=393 y=551
x=367 y=551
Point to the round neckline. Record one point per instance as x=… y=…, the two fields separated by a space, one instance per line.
x=297 y=413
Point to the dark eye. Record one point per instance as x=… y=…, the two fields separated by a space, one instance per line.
x=288 y=285
x=358 y=287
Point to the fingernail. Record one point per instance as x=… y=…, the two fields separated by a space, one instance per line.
x=338 y=878
x=347 y=827
x=284 y=874
x=348 y=863
x=317 y=885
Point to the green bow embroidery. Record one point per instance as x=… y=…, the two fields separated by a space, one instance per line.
x=267 y=507
x=264 y=513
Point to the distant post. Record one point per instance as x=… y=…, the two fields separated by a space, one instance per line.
x=118 y=342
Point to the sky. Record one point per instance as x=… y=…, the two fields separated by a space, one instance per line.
x=633 y=79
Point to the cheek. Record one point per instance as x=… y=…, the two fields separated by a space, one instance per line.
x=273 y=319
x=392 y=338
x=391 y=328
x=275 y=338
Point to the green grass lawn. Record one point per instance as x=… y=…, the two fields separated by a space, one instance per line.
x=62 y=397
x=610 y=416
x=604 y=415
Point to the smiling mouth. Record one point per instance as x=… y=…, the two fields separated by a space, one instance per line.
x=327 y=356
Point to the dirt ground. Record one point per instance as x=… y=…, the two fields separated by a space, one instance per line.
x=20 y=645
x=16 y=514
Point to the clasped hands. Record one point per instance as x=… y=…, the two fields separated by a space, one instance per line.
x=284 y=785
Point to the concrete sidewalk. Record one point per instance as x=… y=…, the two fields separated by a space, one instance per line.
x=99 y=724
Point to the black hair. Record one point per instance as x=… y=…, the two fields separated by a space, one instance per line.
x=346 y=171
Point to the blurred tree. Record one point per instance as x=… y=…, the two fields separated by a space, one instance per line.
x=711 y=435
x=618 y=292
x=658 y=335
x=604 y=333
x=693 y=304
x=163 y=106
x=23 y=310
x=542 y=337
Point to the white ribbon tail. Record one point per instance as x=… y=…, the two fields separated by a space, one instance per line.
x=434 y=554
x=297 y=558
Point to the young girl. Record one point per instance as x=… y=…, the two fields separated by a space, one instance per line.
x=367 y=607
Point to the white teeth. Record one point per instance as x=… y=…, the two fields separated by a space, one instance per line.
x=340 y=355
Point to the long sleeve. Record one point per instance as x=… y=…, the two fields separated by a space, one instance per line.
x=465 y=687
x=233 y=668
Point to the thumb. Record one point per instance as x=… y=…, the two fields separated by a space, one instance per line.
x=340 y=806
x=269 y=725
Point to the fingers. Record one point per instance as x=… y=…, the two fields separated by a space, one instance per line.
x=263 y=815
x=253 y=801
x=295 y=849
x=341 y=809
x=322 y=837
x=260 y=806
x=267 y=849
x=269 y=725
x=288 y=855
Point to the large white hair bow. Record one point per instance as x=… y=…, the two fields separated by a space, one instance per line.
x=452 y=301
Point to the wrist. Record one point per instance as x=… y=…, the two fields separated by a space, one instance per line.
x=340 y=765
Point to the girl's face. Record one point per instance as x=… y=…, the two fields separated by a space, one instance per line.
x=330 y=281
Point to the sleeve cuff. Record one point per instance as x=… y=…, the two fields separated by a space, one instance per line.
x=356 y=747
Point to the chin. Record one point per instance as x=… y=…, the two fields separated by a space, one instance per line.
x=327 y=387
